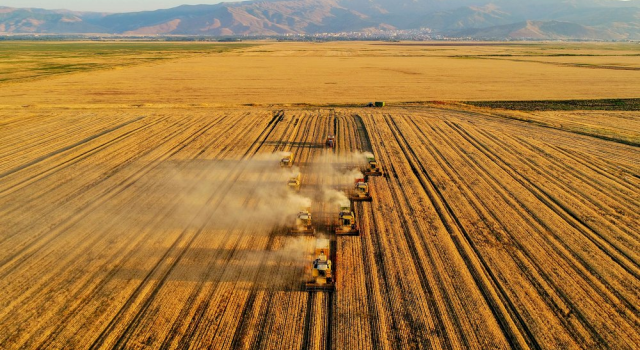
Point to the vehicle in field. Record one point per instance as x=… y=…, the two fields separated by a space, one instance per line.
x=294 y=183
x=372 y=168
x=287 y=160
x=360 y=192
x=331 y=141
x=303 y=224
x=322 y=278
x=346 y=222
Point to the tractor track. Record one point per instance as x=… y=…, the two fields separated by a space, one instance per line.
x=67 y=222
x=101 y=338
x=615 y=253
x=453 y=224
x=526 y=254
x=380 y=246
x=538 y=193
x=172 y=151
x=483 y=232
x=111 y=273
x=413 y=243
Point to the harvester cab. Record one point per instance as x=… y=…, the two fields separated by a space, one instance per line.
x=287 y=160
x=304 y=225
x=372 y=168
x=322 y=278
x=347 y=222
x=331 y=141
x=294 y=183
x=361 y=192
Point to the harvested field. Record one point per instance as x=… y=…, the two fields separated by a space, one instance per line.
x=145 y=228
x=143 y=203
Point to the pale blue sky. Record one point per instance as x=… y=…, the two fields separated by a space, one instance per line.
x=106 y=5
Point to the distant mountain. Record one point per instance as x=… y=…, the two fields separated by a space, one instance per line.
x=541 y=30
x=604 y=19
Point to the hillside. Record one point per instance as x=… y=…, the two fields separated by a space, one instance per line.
x=541 y=30
x=605 y=20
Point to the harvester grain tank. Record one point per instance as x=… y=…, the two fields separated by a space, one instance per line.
x=294 y=183
x=360 y=192
x=331 y=141
x=346 y=222
x=287 y=160
x=322 y=278
x=372 y=168
x=304 y=225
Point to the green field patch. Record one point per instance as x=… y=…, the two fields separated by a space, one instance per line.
x=53 y=58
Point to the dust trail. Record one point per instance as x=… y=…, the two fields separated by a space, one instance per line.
x=219 y=195
x=338 y=174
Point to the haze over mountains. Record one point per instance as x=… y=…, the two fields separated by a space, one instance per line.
x=497 y=19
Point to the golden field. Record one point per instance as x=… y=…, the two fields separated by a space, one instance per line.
x=142 y=204
x=327 y=73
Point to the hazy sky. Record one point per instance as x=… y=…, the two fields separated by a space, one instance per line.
x=106 y=5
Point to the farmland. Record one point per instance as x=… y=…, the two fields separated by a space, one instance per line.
x=150 y=221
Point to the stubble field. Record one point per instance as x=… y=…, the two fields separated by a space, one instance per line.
x=160 y=218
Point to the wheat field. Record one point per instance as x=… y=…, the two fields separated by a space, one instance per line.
x=142 y=205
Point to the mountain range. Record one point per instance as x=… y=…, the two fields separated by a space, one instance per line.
x=482 y=19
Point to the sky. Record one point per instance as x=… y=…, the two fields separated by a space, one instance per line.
x=106 y=5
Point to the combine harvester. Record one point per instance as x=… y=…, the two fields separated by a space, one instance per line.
x=287 y=160
x=322 y=278
x=304 y=225
x=294 y=183
x=330 y=142
x=372 y=168
x=347 y=222
x=360 y=192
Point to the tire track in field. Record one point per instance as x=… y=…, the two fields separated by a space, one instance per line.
x=565 y=253
x=386 y=268
x=522 y=250
x=277 y=118
x=259 y=341
x=618 y=256
x=591 y=164
x=152 y=165
x=576 y=193
x=39 y=139
x=73 y=160
x=95 y=289
x=185 y=341
x=98 y=342
x=583 y=264
x=66 y=197
x=364 y=142
x=242 y=329
x=418 y=327
x=61 y=227
x=67 y=148
x=492 y=291
x=196 y=292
